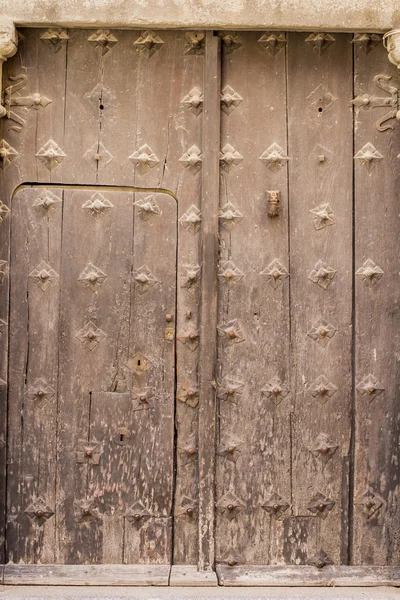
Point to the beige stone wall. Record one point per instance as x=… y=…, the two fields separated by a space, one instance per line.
x=339 y=15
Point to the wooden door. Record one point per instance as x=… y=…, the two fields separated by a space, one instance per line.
x=202 y=285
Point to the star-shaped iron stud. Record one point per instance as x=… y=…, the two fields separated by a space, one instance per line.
x=144 y=159
x=189 y=337
x=148 y=43
x=39 y=511
x=147 y=207
x=97 y=205
x=4 y=211
x=229 y=273
x=322 y=388
x=229 y=216
x=274 y=157
x=231 y=332
x=230 y=506
x=92 y=277
x=40 y=392
x=90 y=336
x=192 y=159
x=370 y=503
x=44 y=275
x=368 y=156
x=273 y=42
x=369 y=273
x=230 y=99
x=323 y=448
x=89 y=452
x=137 y=515
x=103 y=40
x=194 y=42
x=320 y=560
x=275 y=390
x=7 y=154
x=323 y=216
x=370 y=387
x=190 y=276
x=230 y=41
x=322 y=274
x=144 y=279
x=189 y=394
x=188 y=451
x=230 y=449
x=47 y=202
x=51 y=155
x=191 y=220
x=320 y=42
x=193 y=101
x=276 y=506
x=320 y=505
x=231 y=390
x=275 y=273
x=85 y=510
x=229 y=158
x=187 y=509
x=142 y=398
x=322 y=333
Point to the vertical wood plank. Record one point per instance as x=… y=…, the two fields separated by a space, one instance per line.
x=320 y=186
x=376 y=527
x=152 y=384
x=208 y=308
x=254 y=420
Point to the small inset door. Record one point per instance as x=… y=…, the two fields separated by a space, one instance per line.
x=92 y=377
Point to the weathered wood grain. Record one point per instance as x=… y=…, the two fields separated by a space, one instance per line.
x=189 y=575
x=293 y=576
x=260 y=425
x=320 y=173
x=376 y=530
x=132 y=575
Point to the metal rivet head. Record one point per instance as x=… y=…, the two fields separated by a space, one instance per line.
x=142 y=398
x=323 y=332
x=191 y=393
x=189 y=314
x=322 y=390
x=137 y=517
x=230 y=391
x=369 y=504
x=191 y=451
x=321 y=507
x=321 y=158
x=366 y=101
x=371 y=389
x=276 y=507
x=231 y=334
x=192 y=336
x=228 y=274
x=231 y=562
x=168 y=318
x=40 y=393
x=88 y=453
x=39 y=513
x=189 y=510
x=44 y=275
x=276 y=390
x=86 y=511
x=230 y=507
x=324 y=449
x=319 y=564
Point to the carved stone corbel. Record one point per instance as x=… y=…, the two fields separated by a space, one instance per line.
x=8 y=47
x=391 y=41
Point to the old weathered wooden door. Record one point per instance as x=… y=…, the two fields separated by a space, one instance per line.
x=199 y=308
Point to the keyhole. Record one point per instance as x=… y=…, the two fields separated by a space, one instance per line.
x=320 y=109
x=121 y=437
x=101 y=106
x=138 y=362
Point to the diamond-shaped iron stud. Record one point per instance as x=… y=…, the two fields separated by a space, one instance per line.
x=366 y=41
x=231 y=390
x=230 y=99
x=193 y=101
x=147 y=207
x=142 y=398
x=229 y=216
x=322 y=274
x=39 y=511
x=88 y=452
x=4 y=211
x=276 y=273
x=7 y=154
x=44 y=275
x=370 y=387
x=90 y=336
x=368 y=156
x=320 y=505
x=97 y=205
x=230 y=506
x=187 y=509
x=370 y=503
x=85 y=510
x=51 y=155
x=229 y=158
x=98 y=156
x=273 y=42
x=230 y=449
x=320 y=560
x=190 y=276
x=55 y=39
x=189 y=394
x=231 y=332
x=144 y=279
x=275 y=390
x=148 y=43
x=321 y=98
x=137 y=515
x=103 y=40
x=370 y=273
x=189 y=337
x=230 y=41
x=322 y=388
x=323 y=216
x=47 y=202
x=92 y=277
x=194 y=42
x=275 y=505
x=322 y=333
x=320 y=42
x=144 y=159
x=192 y=159
x=40 y=392
x=191 y=219
x=323 y=448
x=274 y=157
x=229 y=273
